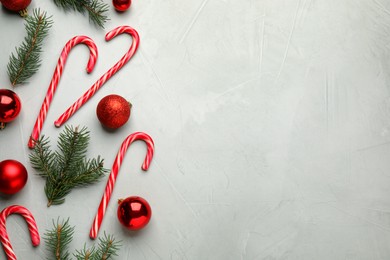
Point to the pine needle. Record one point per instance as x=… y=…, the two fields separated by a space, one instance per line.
x=58 y=239
x=26 y=61
x=85 y=253
x=106 y=249
x=66 y=168
x=96 y=9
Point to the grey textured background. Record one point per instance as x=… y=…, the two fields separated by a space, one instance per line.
x=271 y=121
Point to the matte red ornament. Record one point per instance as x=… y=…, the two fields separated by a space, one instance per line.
x=134 y=212
x=121 y=5
x=113 y=111
x=10 y=106
x=17 y=6
x=13 y=176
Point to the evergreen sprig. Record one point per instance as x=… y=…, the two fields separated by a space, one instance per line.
x=26 y=61
x=67 y=167
x=61 y=235
x=106 y=249
x=96 y=9
x=58 y=239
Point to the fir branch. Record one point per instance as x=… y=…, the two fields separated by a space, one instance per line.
x=58 y=239
x=66 y=168
x=26 y=61
x=61 y=235
x=72 y=146
x=42 y=158
x=106 y=249
x=85 y=253
x=96 y=9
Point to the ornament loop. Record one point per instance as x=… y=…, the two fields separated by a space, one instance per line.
x=93 y=53
x=32 y=226
x=106 y=76
x=114 y=173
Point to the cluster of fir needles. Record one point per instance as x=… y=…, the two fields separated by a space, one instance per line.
x=67 y=167
x=58 y=239
x=107 y=248
x=26 y=61
x=61 y=235
x=96 y=9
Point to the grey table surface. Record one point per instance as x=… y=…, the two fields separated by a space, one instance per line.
x=271 y=122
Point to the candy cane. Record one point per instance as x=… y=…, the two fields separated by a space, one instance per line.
x=106 y=76
x=32 y=226
x=114 y=173
x=93 y=53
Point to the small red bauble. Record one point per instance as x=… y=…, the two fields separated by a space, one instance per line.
x=121 y=5
x=113 y=111
x=17 y=6
x=134 y=212
x=10 y=106
x=13 y=176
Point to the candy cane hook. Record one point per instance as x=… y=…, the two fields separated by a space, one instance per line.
x=32 y=226
x=114 y=173
x=93 y=53
x=106 y=76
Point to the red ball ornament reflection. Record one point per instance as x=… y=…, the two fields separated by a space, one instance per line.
x=13 y=176
x=134 y=212
x=113 y=111
x=10 y=106
x=121 y=5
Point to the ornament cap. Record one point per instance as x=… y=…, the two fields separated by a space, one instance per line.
x=23 y=13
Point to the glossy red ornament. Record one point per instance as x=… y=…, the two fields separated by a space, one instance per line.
x=10 y=106
x=134 y=212
x=13 y=176
x=17 y=6
x=121 y=5
x=113 y=111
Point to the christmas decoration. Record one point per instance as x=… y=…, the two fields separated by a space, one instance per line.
x=93 y=53
x=107 y=248
x=134 y=212
x=32 y=226
x=13 y=176
x=113 y=111
x=26 y=61
x=19 y=6
x=61 y=235
x=114 y=173
x=57 y=240
x=96 y=9
x=121 y=5
x=67 y=168
x=95 y=87
x=10 y=106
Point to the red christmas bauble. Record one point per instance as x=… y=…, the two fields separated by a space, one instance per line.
x=16 y=5
x=13 y=176
x=113 y=111
x=134 y=212
x=121 y=5
x=10 y=106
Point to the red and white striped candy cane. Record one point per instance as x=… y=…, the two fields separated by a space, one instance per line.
x=114 y=173
x=93 y=53
x=106 y=76
x=32 y=226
